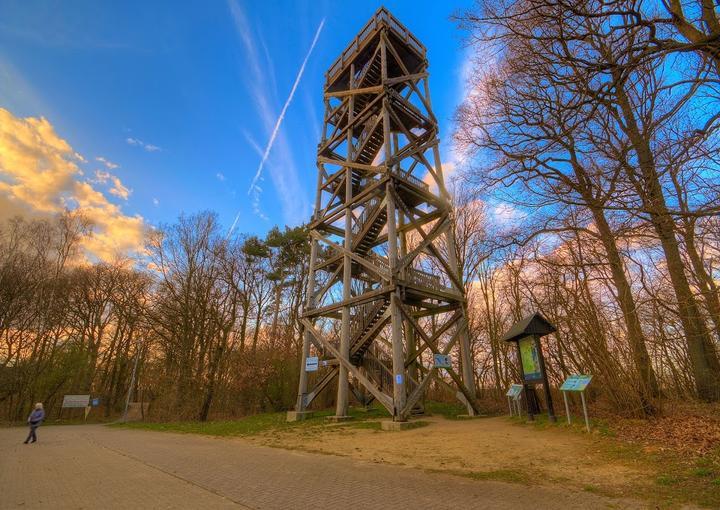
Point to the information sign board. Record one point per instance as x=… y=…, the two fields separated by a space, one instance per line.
x=76 y=401
x=514 y=391
x=442 y=361
x=311 y=364
x=530 y=359
x=576 y=383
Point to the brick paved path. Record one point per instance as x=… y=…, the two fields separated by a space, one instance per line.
x=93 y=466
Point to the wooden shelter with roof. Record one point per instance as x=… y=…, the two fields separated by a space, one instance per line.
x=526 y=334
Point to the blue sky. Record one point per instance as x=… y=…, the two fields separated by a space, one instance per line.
x=183 y=96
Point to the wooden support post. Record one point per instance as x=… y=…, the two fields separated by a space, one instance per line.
x=398 y=354
x=310 y=301
x=468 y=372
x=341 y=409
x=546 y=383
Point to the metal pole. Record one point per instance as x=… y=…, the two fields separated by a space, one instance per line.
x=587 y=421
x=510 y=406
x=132 y=383
x=567 y=408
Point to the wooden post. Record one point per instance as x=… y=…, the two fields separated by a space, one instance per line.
x=341 y=409
x=132 y=383
x=465 y=353
x=310 y=302
x=546 y=385
x=398 y=355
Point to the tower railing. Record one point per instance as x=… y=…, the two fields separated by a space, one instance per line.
x=381 y=17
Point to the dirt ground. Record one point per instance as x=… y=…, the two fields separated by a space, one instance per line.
x=484 y=448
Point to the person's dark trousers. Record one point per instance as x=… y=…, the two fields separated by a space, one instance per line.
x=32 y=437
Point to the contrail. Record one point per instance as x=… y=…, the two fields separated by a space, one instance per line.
x=253 y=189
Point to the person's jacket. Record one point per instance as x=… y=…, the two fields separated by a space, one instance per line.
x=36 y=417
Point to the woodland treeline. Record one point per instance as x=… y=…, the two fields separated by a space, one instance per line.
x=589 y=193
x=598 y=122
x=211 y=322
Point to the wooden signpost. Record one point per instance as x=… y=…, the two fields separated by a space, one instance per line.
x=526 y=334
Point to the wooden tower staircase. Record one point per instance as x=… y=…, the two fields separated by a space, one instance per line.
x=385 y=294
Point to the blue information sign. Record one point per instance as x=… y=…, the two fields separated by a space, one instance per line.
x=442 y=361
x=514 y=391
x=576 y=383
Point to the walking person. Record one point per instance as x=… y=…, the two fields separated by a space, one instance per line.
x=34 y=421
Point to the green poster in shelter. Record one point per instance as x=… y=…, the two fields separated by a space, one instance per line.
x=530 y=360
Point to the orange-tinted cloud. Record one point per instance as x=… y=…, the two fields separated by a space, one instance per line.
x=40 y=176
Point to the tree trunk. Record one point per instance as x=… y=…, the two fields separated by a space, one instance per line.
x=708 y=287
x=703 y=358
x=626 y=300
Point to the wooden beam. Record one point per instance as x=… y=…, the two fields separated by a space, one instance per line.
x=352 y=164
x=406 y=77
x=357 y=300
x=436 y=336
x=434 y=349
x=327 y=379
x=453 y=277
x=365 y=90
x=354 y=256
x=384 y=399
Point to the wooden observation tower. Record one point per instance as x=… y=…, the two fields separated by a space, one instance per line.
x=384 y=293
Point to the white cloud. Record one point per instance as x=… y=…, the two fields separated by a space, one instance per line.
x=503 y=214
x=119 y=190
x=39 y=177
x=281 y=165
x=220 y=176
x=139 y=143
x=289 y=99
x=117 y=187
x=156 y=202
x=253 y=143
x=108 y=164
x=449 y=170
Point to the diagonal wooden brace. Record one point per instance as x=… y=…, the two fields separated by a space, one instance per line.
x=377 y=393
x=458 y=381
